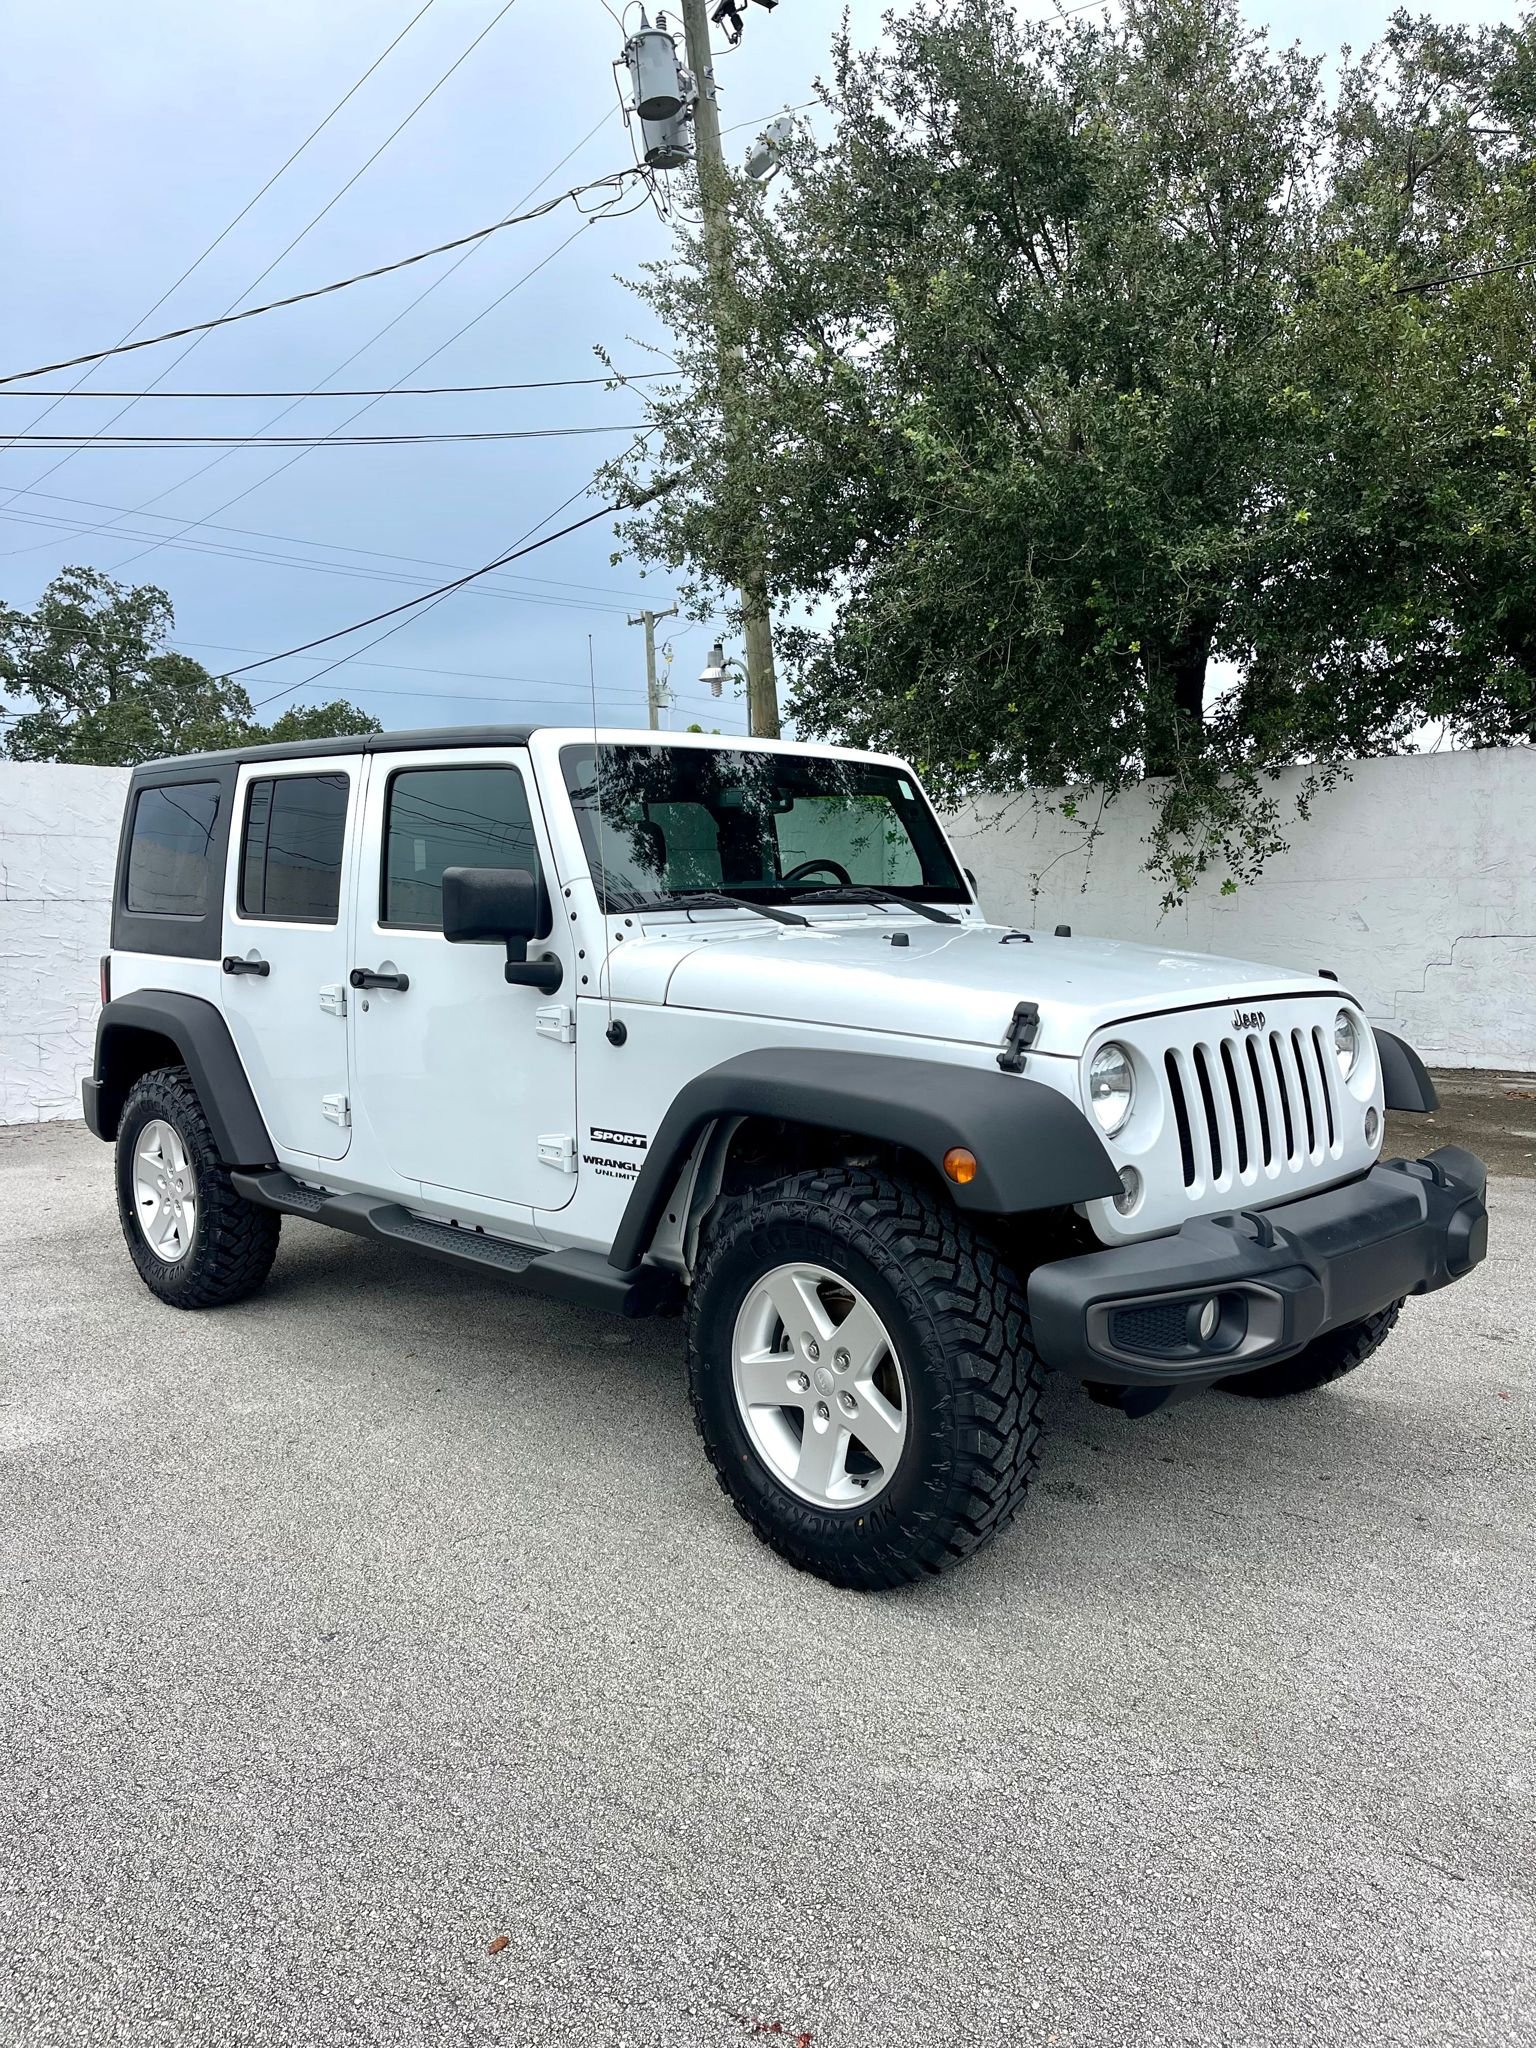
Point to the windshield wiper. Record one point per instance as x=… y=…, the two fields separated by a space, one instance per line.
x=875 y=895
x=717 y=899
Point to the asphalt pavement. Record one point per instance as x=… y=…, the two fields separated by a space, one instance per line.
x=394 y=1615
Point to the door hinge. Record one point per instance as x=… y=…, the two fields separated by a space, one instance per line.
x=557 y=1021
x=336 y=1109
x=559 y=1151
x=333 y=999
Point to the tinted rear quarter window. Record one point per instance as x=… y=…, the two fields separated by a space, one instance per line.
x=170 y=848
x=295 y=833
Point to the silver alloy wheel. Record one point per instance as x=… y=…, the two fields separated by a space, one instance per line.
x=819 y=1386
x=164 y=1191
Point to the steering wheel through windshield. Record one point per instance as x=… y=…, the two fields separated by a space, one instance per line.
x=830 y=867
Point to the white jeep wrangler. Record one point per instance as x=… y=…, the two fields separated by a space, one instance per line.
x=653 y=1023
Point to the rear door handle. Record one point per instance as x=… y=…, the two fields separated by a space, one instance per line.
x=365 y=977
x=234 y=965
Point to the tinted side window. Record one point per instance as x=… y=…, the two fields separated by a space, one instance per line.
x=295 y=828
x=168 y=851
x=450 y=818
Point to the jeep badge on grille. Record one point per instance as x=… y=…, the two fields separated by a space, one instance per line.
x=1247 y=1020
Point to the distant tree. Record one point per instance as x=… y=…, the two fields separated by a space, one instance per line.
x=320 y=722
x=106 y=689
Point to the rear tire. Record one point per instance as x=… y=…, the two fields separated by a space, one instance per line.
x=1327 y=1358
x=951 y=1405
x=217 y=1247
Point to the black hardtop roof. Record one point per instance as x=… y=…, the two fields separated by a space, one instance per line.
x=351 y=743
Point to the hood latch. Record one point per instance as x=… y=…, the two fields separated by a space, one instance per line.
x=1023 y=1030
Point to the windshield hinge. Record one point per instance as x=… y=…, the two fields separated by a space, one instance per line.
x=1023 y=1029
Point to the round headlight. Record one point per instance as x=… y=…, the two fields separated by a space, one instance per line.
x=1111 y=1087
x=1346 y=1043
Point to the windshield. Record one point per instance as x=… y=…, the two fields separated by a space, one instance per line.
x=769 y=826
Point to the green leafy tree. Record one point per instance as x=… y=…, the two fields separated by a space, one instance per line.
x=1088 y=420
x=105 y=688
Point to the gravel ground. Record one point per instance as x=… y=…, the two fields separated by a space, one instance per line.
x=394 y=1612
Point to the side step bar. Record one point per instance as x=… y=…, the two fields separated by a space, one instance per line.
x=585 y=1278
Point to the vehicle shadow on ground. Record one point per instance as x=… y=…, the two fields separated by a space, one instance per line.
x=1374 y=1445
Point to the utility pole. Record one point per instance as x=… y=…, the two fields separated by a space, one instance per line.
x=757 y=629
x=652 y=694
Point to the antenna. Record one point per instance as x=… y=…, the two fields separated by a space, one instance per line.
x=600 y=863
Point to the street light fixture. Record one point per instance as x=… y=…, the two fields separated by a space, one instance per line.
x=718 y=667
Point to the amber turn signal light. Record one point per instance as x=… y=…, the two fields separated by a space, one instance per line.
x=960 y=1165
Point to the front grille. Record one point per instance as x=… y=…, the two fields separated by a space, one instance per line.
x=1260 y=1100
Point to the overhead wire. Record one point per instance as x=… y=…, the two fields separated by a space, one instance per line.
x=372 y=391
x=307 y=441
x=347 y=361
x=231 y=225
x=298 y=540
x=307 y=229
x=418 y=607
x=340 y=284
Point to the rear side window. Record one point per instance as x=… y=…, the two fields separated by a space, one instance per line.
x=170 y=849
x=450 y=818
x=290 y=863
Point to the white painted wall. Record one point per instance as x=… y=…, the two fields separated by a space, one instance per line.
x=58 y=846
x=1415 y=880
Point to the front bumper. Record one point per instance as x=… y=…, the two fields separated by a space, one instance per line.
x=1141 y=1315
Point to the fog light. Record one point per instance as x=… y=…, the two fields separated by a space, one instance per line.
x=1372 y=1127
x=1210 y=1315
x=1130 y=1190
x=960 y=1165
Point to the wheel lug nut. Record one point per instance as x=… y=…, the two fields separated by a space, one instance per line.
x=812 y=1349
x=799 y=1382
x=823 y=1413
x=848 y=1403
x=841 y=1360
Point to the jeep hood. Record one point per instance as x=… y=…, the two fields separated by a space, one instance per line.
x=955 y=982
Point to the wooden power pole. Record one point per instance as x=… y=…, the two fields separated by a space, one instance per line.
x=652 y=696
x=757 y=627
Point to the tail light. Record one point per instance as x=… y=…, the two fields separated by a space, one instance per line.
x=106 y=979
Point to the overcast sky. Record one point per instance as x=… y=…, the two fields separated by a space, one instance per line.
x=135 y=133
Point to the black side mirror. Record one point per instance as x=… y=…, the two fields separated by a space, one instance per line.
x=482 y=905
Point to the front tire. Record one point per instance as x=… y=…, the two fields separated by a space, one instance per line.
x=195 y=1242
x=861 y=1371
x=1325 y=1359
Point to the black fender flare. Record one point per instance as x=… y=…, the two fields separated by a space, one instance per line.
x=1034 y=1147
x=1404 y=1077
x=201 y=1038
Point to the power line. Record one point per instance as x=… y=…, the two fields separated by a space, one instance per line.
x=340 y=284
x=446 y=589
x=525 y=545
x=288 y=540
x=231 y=225
x=604 y=602
x=415 y=369
x=1430 y=284
x=383 y=391
x=174 y=441
x=289 y=247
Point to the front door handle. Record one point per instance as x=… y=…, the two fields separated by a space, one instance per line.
x=365 y=977
x=233 y=964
